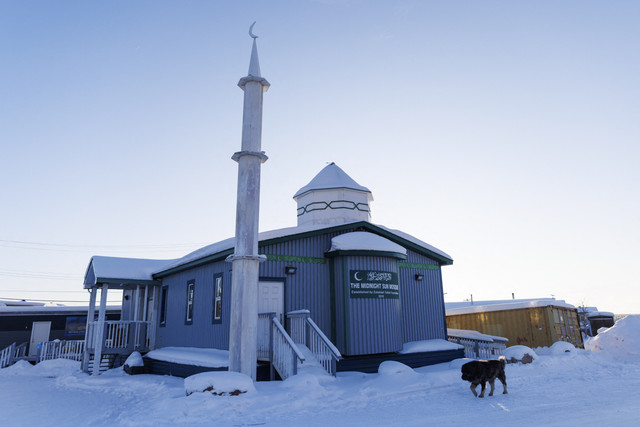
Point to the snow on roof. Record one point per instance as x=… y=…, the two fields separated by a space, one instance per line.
x=474 y=335
x=206 y=357
x=466 y=307
x=109 y=269
x=594 y=312
x=600 y=314
x=415 y=241
x=331 y=177
x=229 y=243
x=362 y=240
x=22 y=303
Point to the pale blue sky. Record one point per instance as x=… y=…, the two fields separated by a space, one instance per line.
x=506 y=133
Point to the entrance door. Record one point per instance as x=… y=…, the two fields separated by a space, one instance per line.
x=39 y=333
x=271 y=298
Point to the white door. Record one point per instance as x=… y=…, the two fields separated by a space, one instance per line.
x=39 y=333
x=271 y=298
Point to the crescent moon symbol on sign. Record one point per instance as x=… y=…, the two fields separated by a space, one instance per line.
x=355 y=276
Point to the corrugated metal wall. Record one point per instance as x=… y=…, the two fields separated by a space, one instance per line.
x=309 y=288
x=423 y=314
x=533 y=327
x=376 y=326
x=202 y=332
x=370 y=325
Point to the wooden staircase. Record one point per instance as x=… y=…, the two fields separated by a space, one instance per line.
x=107 y=362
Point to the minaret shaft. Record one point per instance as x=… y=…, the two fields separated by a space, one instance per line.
x=243 y=338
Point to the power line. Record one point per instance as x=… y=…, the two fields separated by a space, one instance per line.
x=39 y=275
x=55 y=300
x=68 y=245
x=52 y=292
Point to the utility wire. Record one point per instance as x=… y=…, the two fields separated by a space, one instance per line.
x=39 y=275
x=52 y=292
x=54 y=300
x=67 y=245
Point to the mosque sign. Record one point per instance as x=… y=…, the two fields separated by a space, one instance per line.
x=373 y=284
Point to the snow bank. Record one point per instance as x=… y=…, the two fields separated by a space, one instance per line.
x=562 y=347
x=312 y=386
x=21 y=367
x=391 y=367
x=518 y=352
x=622 y=340
x=57 y=367
x=205 y=357
x=219 y=383
x=428 y=345
x=47 y=368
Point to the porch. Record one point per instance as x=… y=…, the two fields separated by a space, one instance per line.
x=112 y=341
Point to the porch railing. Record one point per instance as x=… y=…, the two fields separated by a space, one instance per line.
x=477 y=345
x=6 y=355
x=282 y=352
x=264 y=336
x=58 y=349
x=12 y=353
x=121 y=334
x=305 y=331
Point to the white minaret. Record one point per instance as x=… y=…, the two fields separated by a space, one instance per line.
x=243 y=339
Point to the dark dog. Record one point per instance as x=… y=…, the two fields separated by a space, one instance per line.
x=481 y=371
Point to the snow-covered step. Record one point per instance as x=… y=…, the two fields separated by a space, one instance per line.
x=310 y=364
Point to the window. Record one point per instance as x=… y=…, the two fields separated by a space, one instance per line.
x=163 y=306
x=217 y=298
x=191 y=284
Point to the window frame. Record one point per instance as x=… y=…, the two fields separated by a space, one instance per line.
x=217 y=297
x=164 y=296
x=189 y=309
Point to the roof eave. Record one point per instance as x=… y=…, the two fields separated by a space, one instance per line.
x=442 y=260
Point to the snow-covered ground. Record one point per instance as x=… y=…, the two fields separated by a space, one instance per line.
x=597 y=386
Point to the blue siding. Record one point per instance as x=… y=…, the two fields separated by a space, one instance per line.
x=362 y=326
x=423 y=314
x=202 y=333
x=370 y=325
x=309 y=288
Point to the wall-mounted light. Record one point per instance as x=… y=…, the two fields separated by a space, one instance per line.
x=290 y=269
x=419 y=277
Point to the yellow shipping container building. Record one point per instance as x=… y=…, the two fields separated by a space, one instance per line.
x=534 y=323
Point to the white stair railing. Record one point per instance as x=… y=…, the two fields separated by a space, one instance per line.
x=305 y=331
x=265 y=336
x=277 y=346
x=286 y=354
x=12 y=353
x=6 y=355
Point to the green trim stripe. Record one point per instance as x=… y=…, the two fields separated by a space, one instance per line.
x=291 y=258
x=419 y=266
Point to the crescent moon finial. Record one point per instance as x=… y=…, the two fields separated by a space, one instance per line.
x=253 y=36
